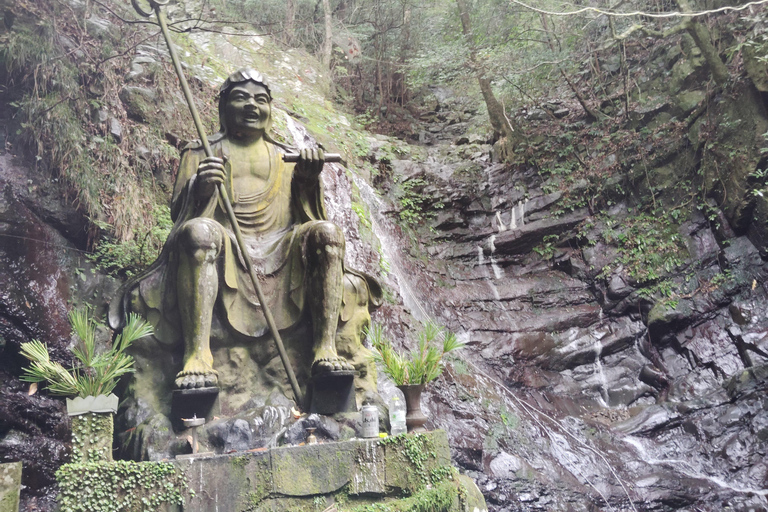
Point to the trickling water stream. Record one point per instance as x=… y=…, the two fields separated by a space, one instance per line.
x=556 y=432
x=688 y=468
x=382 y=228
x=575 y=455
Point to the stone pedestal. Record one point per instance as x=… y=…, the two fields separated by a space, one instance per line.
x=345 y=475
x=193 y=403
x=332 y=392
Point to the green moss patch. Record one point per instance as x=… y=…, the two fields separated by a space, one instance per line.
x=415 y=461
x=92 y=438
x=442 y=497
x=120 y=486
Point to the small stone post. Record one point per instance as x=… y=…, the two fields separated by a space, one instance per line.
x=10 y=486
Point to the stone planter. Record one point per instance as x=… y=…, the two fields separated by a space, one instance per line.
x=414 y=418
x=92 y=427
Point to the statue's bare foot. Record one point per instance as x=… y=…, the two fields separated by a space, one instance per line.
x=196 y=374
x=330 y=364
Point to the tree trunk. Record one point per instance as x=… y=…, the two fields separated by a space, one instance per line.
x=499 y=121
x=405 y=33
x=290 y=17
x=702 y=38
x=400 y=85
x=328 y=42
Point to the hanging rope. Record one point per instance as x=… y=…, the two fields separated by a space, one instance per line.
x=673 y=14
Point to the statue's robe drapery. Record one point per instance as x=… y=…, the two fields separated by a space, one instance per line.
x=273 y=222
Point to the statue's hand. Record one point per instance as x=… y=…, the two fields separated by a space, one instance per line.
x=310 y=162
x=210 y=173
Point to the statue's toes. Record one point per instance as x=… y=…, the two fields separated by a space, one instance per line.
x=210 y=380
x=330 y=364
x=322 y=366
x=182 y=380
x=192 y=380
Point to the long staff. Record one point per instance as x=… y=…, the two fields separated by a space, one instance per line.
x=156 y=5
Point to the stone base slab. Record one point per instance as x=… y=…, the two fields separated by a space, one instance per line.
x=402 y=472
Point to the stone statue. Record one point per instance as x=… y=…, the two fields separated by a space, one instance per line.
x=200 y=277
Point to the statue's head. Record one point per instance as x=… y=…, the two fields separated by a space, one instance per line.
x=245 y=103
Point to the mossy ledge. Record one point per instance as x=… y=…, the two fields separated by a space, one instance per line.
x=403 y=473
x=121 y=486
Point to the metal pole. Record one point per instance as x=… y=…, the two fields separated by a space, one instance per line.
x=156 y=4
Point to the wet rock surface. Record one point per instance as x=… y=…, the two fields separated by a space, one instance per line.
x=578 y=390
x=43 y=270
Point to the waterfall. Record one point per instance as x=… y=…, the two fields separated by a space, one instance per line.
x=686 y=467
x=603 y=383
x=574 y=454
x=389 y=250
x=498 y=273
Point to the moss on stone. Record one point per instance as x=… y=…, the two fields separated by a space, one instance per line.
x=443 y=497
x=120 y=486
x=419 y=477
x=92 y=437
x=325 y=468
x=10 y=484
x=412 y=460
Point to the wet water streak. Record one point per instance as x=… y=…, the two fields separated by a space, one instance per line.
x=561 y=440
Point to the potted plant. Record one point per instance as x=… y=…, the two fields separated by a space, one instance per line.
x=412 y=371
x=89 y=384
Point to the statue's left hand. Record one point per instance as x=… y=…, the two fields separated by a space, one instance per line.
x=310 y=162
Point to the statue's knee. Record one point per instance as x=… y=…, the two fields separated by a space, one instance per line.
x=326 y=233
x=201 y=239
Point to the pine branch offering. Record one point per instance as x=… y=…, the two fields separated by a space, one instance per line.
x=419 y=366
x=95 y=373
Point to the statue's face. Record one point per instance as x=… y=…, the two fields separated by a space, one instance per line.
x=247 y=111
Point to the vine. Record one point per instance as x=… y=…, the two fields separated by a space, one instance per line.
x=120 y=485
x=92 y=438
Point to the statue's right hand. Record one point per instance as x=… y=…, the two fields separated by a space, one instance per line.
x=210 y=173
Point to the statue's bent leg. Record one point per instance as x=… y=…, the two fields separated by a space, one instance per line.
x=325 y=286
x=197 y=284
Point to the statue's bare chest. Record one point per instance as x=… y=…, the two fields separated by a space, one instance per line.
x=250 y=168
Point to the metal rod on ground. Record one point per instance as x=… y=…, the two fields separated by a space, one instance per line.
x=156 y=4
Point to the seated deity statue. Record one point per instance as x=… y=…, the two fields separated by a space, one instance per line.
x=298 y=254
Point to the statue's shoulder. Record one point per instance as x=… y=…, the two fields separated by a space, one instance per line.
x=280 y=147
x=196 y=145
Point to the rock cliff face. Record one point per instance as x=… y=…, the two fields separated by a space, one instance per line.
x=610 y=283
x=43 y=272
x=617 y=357
x=587 y=392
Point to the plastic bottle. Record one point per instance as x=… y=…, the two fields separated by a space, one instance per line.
x=397 y=415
